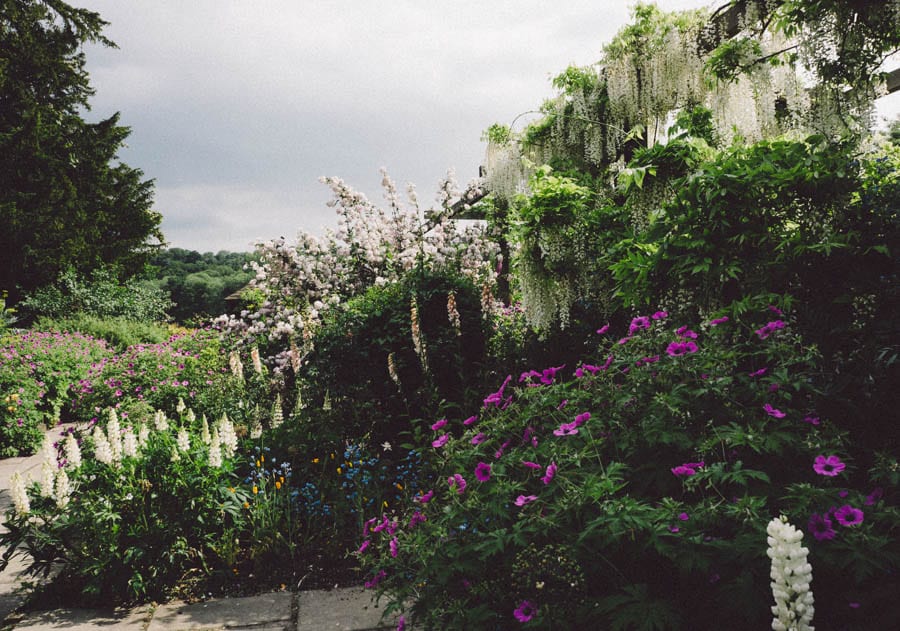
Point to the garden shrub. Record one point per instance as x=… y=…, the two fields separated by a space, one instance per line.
x=637 y=493
x=130 y=511
x=379 y=365
x=118 y=331
x=40 y=374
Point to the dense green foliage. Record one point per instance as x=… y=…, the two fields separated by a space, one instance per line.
x=198 y=284
x=119 y=332
x=64 y=202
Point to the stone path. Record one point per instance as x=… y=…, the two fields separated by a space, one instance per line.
x=348 y=609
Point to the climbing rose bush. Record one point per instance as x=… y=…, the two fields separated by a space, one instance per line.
x=633 y=490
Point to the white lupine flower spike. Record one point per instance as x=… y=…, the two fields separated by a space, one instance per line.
x=791 y=577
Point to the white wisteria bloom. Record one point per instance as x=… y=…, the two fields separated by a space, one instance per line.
x=102 y=450
x=215 y=450
x=160 y=421
x=73 y=452
x=19 y=494
x=129 y=443
x=184 y=441
x=791 y=575
x=62 y=489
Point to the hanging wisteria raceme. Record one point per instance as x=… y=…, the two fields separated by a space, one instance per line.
x=296 y=284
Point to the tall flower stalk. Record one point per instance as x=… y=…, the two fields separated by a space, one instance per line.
x=791 y=575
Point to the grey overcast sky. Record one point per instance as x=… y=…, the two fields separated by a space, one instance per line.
x=238 y=107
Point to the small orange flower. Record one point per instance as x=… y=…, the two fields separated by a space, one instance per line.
x=246 y=504
x=263 y=458
x=315 y=461
x=231 y=488
x=399 y=486
x=281 y=479
x=277 y=485
x=258 y=464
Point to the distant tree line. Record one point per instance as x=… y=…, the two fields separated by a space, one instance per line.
x=198 y=283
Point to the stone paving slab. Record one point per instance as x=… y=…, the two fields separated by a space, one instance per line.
x=85 y=620
x=348 y=609
x=263 y=612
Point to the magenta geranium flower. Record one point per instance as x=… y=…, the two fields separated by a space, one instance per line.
x=363 y=547
x=770 y=328
x=566 y=429
x=686 y=333
x=828 y=465
x=582 y=418
x=848 y=516
x=660 y=315
x=683 y=516
x=718 y=321
x=603 y=329
x=470 y=420
x=417 y=518
x=773 y=411
x=424 y=499
x=759 y=373
x=677 y=349
x=458 y=481
x=483 y=472
x=522 y=500
x=820 y=527
x=642 y=322
x=496 y=398
x=525 y=611
x=438 y=425
x=440 y=441
x=375 y=579
x=549 y=473
x=395 y=547
x=682 y=472
x=478 y=438
x=812 y=420
x=531 y=465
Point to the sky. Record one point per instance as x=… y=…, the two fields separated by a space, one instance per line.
x=237 y=108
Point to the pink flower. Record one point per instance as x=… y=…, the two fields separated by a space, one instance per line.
x=401 y=624
x=677 y=349
x=718 y=321
x=773 y=412
x=820 y=527
x=874 y=496
x=363 y=547
x=549 y=473
x=684 y=516
x=812 y=420
x=496 y=398
x=531 y=465
x=417 y=518
x=470 y=420
x=660 y=315
x=848 y=516
x=478 y=438
x=525 y=611
x=759 y=373
x=603 y=329
x=566 y=429
x=395 y=547
x=424 y=499
x=522 y=500
x=375 y=579
x=440 y=441
x=458 y=481
x=828 y=465
x=642 y=322
x=441 y=423
x=483 y=472
x=686 y=333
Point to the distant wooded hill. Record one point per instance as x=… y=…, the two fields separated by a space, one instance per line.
x=199 y=283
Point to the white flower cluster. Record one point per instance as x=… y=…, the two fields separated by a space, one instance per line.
x=370 y=246
x=215 y=450
x=227 y=436
x=19 y=494
x=791 y=575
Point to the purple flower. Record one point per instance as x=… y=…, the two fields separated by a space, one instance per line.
x=683 y=471
x=848 y=516
x=874 y=496
x=395 y=547
x=417 y=518
x=440 y=441
x=401 y=624
x=582 y=418
x=603 y=329
x=496 y=398
x=718 y=321
x=773 y=412
x=828 y=465
x=522 y=500
x=562 y=404
x=549 y=374
x=470 y=420
x=770 y=328
x=438 y=425
x=525 y=611
x=686 y=333
x=424 y=499
x=499 y=453
x=458 y=481
x=566 y=429
x=624 y=340
x=812 y=420
x=483 y=472
x=759 y=373
x=677 y=349
x=674 y=529
x=531 y=465
x=776 y=310
x=683 y=516
x=375 y=579
x=660 y=315
x=478 y=438
x=820 y=527
x=642 y=322
x=549 y=473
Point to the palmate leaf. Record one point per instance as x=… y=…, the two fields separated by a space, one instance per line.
x=634 y=609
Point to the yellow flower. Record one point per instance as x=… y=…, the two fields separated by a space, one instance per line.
x=315 y=461
x=281 y=478
x=263 y=458
x=231 y=488
x=350 y=464
x=277 y=485
x=246 y=504
x=332 y=456
x=384 y=503
x=258 y=465
x=399 y=486
x=255 y=489
x=339 y=470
